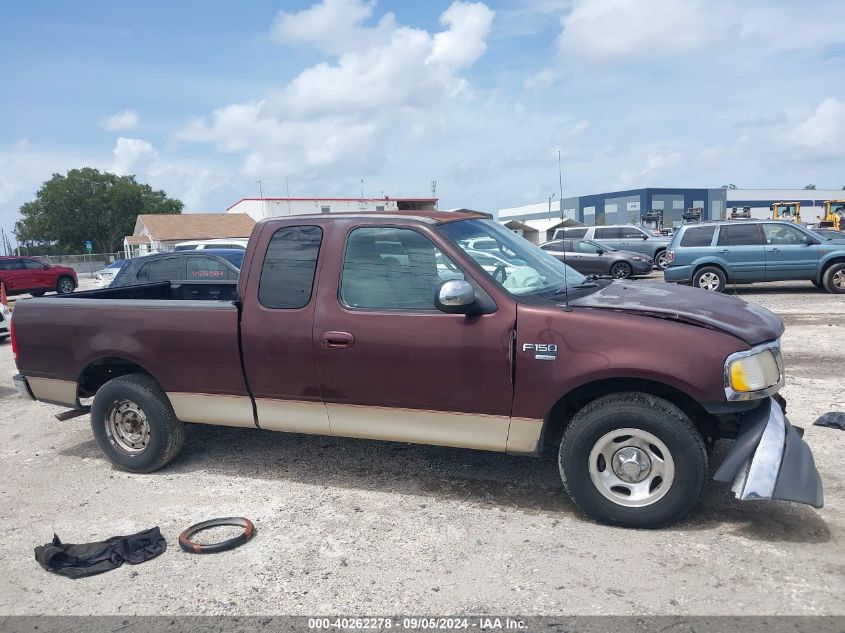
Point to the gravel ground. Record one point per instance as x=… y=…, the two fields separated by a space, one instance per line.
x=353 y=526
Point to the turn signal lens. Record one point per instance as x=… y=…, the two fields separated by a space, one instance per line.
x=753 y=373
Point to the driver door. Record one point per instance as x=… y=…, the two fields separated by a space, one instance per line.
x=392 y=366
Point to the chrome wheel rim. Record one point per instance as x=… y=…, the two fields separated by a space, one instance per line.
x=127 y=427
x=631 y=467
x=620 y=271
x=838 y=280
x=708 y=281
x=661 y=260
x=65 y=287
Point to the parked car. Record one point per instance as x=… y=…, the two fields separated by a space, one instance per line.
x=23 y=275
x=623 y=237
x=217 y=264
x=712 y=255
x=328 y=336
x=106 y=275
x=5 y=321
x=198 y=245
x=592 y=258
x=829 y=234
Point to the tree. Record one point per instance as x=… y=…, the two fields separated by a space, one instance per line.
x=809 y=187
x=86 y=204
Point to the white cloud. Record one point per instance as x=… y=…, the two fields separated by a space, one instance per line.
x=820 y=135
x=120 y=121
x=540 y=80
x=606 y=31
x=394 y=85
x=132 y=155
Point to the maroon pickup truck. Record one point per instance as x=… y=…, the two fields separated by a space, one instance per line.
x=392 y=327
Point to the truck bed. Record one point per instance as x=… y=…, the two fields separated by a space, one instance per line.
x=185 y=335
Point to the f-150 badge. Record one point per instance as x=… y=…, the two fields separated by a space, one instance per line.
x=542 y=351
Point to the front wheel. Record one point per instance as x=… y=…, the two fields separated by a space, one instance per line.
x=134 y=424
x=65 y=286
x=633 y=460
x=834 y=279
x=661 y=260
x=621 y=270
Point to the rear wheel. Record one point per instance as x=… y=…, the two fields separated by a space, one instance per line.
x=834 y=279
x=65 y=286
x=134 y=424
x=633 y=460
x=710 y=278
x=620 y=270
x=661 y=260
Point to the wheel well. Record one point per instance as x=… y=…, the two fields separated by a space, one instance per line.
x=828 y=264
x=567 y=406
x=101 y=371
x=719 y=266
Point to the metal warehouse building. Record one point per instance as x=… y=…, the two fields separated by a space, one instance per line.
x=537 y=222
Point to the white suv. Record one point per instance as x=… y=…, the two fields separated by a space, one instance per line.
x=198 y=245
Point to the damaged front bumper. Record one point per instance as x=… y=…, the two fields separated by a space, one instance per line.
x=769 y=460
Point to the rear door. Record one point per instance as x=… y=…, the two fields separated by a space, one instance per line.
x=740 y=246
x=277 y=328
x=608 y=235
x=788 y=255
x=15 y=275
x=634 y=239
x=391 y=365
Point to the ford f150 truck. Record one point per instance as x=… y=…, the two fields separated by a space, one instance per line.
x=383 y=326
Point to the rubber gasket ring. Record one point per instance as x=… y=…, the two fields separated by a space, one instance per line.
x=188 y=545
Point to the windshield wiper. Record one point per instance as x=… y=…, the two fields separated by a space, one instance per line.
x=581 y=286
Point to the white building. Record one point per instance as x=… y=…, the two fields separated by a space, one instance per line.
x=260 y=208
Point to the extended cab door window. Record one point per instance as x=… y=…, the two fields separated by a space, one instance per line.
x=287 y=276
x=392 y=269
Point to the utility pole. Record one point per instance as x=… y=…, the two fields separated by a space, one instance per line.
x=263 y=204
x=434 y=193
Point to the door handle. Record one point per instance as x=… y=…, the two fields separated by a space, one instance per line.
x=337 y=339
x=724 y=252
x=774 y=250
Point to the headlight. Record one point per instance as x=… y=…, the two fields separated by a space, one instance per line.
x=755 y=373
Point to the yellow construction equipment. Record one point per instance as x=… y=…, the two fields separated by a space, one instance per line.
x=834 y=214
x=786 y=211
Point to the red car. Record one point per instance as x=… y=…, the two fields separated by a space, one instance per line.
x=28 y=274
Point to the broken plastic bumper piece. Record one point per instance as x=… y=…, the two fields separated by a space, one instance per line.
x=769 y=460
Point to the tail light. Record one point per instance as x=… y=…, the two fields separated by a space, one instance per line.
x=670 y=257
x=14 y=339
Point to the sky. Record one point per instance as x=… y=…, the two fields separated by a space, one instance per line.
x=205 y=98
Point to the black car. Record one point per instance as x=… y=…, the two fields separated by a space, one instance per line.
x=204 y=265
x=592 y=258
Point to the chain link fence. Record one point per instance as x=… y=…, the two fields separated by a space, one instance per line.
x=85 y=265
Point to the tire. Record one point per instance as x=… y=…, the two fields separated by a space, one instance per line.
x=671 y=447
x=710 y=278
x=65 y=286
x=134 y=424
x=834 y=279
x=621 y=270
x=660 y=260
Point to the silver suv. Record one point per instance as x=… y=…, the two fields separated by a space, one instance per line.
x=623 y=237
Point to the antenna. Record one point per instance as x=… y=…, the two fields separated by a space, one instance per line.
x=287 y=193
x=565 y=267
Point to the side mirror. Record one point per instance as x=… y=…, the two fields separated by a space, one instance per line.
x=600 y=252
x=645 y=237
x=455 y=297
x=808 y=241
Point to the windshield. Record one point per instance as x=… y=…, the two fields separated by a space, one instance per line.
x=522 y=268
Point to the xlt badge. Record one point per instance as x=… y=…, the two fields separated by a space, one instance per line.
x=542 y=351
